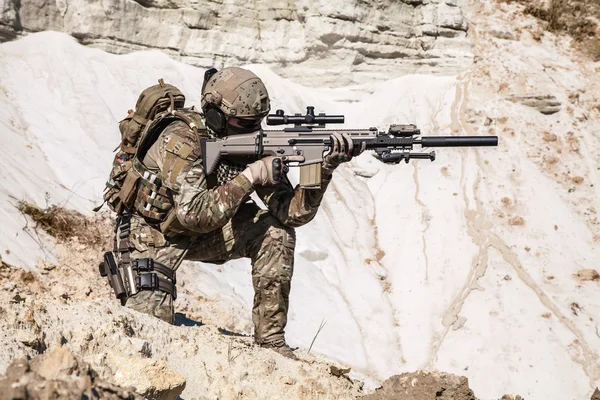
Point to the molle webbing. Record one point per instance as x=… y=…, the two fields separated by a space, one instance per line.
x=120 y=191
x=152 y=200
x=113 y=194
x=146 y=277
x=122 y=245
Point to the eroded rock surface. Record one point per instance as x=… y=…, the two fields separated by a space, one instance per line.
x=544 y=104
x=424 y=386
x=368 y=38
x=58 y=374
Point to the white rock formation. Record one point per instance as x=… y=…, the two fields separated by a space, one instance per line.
x=467 y=265
x=315 y=42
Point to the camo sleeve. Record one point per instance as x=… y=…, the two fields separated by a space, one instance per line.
x=293 y=207
x=203 y=210
x=177 y=157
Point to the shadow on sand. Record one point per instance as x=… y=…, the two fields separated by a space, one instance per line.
x=182 y=320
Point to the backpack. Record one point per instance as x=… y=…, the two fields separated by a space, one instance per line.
x=131 y=187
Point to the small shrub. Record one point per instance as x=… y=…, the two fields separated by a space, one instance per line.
x=63 y=224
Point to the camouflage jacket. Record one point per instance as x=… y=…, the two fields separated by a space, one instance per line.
x=177 y=160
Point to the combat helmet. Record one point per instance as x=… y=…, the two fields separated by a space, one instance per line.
x=234 y=100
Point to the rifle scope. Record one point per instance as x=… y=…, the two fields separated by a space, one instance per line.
x=279 y=118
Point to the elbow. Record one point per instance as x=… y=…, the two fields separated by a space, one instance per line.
x=201 y=222
x=298 y=220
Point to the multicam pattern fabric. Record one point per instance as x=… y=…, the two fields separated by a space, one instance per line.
x=221 y=224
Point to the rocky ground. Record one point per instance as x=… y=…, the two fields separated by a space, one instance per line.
x=57 y=374
x=62 y=335
x=67 y=304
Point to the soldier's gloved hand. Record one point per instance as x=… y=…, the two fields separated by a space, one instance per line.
x=342 y=151
x=269 y=170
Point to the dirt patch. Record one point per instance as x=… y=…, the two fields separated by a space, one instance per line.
x=588 y=275
x=66 y=303
x=427 y=385
x=578 y=18
x=516 y=221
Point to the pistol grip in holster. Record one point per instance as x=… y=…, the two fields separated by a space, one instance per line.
x=110 y=270
x=127 y=280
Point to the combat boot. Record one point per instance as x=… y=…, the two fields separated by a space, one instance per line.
x=281 y=347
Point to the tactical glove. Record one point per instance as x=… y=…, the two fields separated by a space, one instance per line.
x=342 y=151
x=269 y=170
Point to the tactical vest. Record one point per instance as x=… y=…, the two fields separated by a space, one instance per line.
x=132 y=188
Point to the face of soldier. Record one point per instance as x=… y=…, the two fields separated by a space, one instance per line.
x=236 y=126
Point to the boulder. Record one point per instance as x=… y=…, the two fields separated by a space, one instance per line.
x=58 y=374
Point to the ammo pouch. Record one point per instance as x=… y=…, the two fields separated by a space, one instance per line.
x=152 y=200
x=131 y=278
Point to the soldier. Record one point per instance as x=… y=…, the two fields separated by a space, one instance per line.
x=221 y=223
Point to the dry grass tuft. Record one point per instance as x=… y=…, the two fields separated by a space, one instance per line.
x=63 y=224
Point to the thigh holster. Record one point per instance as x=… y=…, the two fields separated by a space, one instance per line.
x=126 y=276
x=147 y=279
x=141 y=274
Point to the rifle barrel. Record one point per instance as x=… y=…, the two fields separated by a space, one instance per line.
x=458 y=141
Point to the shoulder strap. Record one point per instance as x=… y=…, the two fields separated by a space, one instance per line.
x=179 y=149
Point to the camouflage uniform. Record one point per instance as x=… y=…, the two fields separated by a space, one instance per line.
x=220 y=224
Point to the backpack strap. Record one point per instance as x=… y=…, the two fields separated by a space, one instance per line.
x=179 y=150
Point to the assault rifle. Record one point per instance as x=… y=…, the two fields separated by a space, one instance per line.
x=309 y=138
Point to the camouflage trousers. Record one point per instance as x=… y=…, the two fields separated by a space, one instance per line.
x=253 y=233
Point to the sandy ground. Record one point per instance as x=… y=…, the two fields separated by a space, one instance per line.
x=66 y=304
